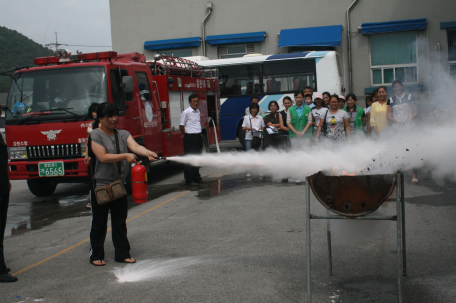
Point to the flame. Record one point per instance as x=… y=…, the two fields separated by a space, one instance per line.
x=344 y=173
x=347 y=174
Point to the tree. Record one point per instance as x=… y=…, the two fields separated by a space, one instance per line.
x=16 y=50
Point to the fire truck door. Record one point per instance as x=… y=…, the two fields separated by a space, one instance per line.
x=126 y=104
x=150 y=113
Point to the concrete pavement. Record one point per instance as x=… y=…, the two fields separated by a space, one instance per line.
x=238 y=240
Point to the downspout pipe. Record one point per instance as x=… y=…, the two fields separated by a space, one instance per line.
x=203 y=48
x=350 y=85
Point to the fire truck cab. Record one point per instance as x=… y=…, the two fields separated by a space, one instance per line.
x=47 y=110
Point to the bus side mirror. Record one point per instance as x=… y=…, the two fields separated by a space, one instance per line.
x=127 y=84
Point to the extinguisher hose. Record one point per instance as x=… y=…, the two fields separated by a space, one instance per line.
x=215 y=133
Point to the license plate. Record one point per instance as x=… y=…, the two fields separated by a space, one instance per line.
x=51 y=169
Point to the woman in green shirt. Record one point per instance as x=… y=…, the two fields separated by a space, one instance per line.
x=356 y=115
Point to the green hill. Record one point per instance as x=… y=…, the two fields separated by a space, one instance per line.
x=16 y=50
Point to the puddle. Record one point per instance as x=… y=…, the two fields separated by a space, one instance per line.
x=26 y=216
x=215 y=188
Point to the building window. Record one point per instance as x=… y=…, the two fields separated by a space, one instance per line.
x=177 y=53
x=393 y=56
x=235 y=51
x=452 y=51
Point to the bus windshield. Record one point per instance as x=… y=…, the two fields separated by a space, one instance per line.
x=267 y=77
x=64 y=92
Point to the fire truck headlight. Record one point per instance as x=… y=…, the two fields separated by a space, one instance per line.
x=17 y=153
x=83 y=149
x=179 y=82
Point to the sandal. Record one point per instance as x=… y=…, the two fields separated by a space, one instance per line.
x=125 y=261
x=101 y=263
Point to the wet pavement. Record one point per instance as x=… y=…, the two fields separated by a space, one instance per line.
x=27 y=212
x=232 y=239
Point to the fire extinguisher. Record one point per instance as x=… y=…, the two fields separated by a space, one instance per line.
x=139 y=183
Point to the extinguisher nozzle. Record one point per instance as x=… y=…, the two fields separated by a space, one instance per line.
x=159 y=158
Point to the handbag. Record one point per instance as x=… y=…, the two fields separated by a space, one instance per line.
x=112 y=191
x=256 y=141
x=324 y=127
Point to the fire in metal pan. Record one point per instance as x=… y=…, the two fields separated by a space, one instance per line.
x=352 y=196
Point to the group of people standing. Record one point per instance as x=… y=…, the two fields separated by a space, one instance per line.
x=333 y=118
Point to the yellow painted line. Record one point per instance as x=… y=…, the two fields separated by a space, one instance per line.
x=159 y=205
x=49 y=258
x=87 y=240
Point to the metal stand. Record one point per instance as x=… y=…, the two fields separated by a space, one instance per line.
x=401 y=245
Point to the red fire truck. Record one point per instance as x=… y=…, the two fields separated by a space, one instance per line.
x=47 y=111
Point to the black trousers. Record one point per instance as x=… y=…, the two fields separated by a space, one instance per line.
x=98 y=228
x=4 y=202
x=193 y=145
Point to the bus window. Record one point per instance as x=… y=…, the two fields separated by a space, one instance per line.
x=267 y=77
x=276 y=83
x=240 y=80
x=289 y=76
x=299 y=81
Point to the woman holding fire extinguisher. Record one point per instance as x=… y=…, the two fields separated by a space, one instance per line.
x=104 y=142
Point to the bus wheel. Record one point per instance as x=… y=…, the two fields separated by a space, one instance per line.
x=205 y=148
x=241 y=135
x=41 y=187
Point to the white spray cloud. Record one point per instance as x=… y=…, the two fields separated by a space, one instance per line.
x=153 y=269
x=428 y=146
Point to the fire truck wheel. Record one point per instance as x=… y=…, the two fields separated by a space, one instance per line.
x=41 y=187
x=241 y=135
x=205 y=148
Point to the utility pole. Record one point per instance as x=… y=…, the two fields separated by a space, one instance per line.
x=56 y=44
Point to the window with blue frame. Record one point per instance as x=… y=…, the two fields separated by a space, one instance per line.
x=394 y=56
x=176 y=52
x=235 y=51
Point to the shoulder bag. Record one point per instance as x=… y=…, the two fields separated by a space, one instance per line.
x=112 y=191
x=256 y=141
x=324 y=126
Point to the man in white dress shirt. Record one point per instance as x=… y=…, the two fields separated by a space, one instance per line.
x=255 y=99
x=190 y=127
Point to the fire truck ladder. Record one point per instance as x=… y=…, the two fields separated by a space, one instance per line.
x=179 y=66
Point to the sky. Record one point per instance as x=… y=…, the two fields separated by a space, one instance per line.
x=77 y=22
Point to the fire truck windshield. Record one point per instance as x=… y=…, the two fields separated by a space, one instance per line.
x=55 y=94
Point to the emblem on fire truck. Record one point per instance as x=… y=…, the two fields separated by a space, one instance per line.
x=51 y=134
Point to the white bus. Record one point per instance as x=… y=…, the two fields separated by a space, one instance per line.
x=270 y=78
